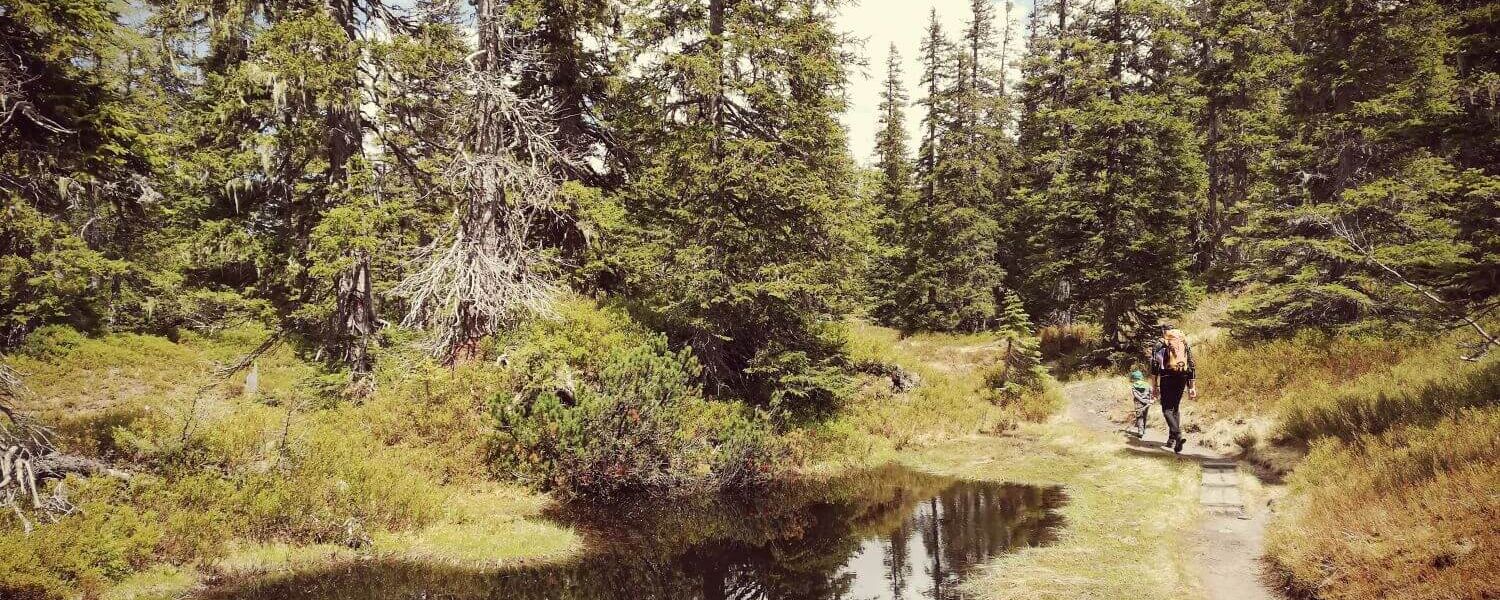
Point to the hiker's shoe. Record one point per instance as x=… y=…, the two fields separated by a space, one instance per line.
x=1170 y=444
x=1180 y=443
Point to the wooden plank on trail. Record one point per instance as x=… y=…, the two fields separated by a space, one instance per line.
x=1220 y=488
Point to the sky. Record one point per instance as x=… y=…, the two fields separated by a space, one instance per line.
x=879 y=23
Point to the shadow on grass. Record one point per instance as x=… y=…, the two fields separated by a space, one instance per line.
x=1139 y=447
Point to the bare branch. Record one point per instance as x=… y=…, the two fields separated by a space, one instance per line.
x=1354 y=236
x=490 y=268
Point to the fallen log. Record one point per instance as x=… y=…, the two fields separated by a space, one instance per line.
x=58 y=465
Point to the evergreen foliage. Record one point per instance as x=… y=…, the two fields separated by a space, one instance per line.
x=741 y=222
x=1115 y=165
x=948 y=276
x=896 y=195
x=350 y=172
x=1373 y=215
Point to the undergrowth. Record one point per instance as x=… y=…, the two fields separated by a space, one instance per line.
x=1410 y=513
x=955 y=395
x=1395 y=495
x=282 y=455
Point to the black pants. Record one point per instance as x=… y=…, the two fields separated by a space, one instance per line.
x=1171 y=397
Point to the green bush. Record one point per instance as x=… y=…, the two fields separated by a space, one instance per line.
x=101 y=542
x=599 y=407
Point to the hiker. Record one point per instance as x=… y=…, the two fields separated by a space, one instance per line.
x=1172 y=372
x=1140 y=391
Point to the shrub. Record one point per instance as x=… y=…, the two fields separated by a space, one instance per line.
x=599 y=407
x=1058 y=341
x=84 y=551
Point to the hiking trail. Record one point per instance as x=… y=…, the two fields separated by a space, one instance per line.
x=1230 y=535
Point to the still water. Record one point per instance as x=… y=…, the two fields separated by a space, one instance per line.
x=888 y=533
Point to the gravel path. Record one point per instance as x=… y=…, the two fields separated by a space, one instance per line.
x=1231 y=535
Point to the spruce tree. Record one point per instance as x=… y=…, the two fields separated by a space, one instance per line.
x=1115 y=166
x=1243 y=71
x=895 y=195
x=937 y=71
x=1364 y=230
x=951 y=274
x=85 y=115
x=741 y=216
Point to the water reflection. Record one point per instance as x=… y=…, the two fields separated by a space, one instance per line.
x=889 y=533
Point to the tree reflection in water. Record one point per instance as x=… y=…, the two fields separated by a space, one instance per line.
x=888 y=533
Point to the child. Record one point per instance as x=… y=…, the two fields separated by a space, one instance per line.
x=1140 y=391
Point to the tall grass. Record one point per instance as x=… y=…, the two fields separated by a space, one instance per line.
x=1418 y=391
x=1237 y=378
x=1411 y=513
x=1396 y=497
x=1070 y=349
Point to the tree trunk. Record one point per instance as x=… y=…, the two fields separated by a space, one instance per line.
x=716 y=10
x=355 y=312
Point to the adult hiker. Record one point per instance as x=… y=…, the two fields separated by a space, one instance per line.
x=1172 y=372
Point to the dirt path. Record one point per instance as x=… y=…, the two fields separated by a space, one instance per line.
x=1230 y=536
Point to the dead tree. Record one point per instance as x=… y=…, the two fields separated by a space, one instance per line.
x=490 y=267
x=29 y=457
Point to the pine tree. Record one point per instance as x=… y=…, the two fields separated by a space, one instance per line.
x=1243 y=67
x=1362 y=231
x=1115 y=168
x=742 y=213
x=895 y=195
x=950 y=274
x=78 y=199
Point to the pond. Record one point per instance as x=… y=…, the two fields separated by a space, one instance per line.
x=888 y=533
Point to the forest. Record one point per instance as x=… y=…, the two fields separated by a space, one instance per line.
x=348 y=273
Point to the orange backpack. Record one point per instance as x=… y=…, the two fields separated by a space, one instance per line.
x=1175 y=358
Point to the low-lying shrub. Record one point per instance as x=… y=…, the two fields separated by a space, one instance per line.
x=288 y=463
x=83 y=552
x=598 y=407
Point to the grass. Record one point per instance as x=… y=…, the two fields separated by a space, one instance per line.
x=1394 y=497
x=1262 y=378
x=1128 y=518
x=952 y=399
x=232 y=481
x=1411 y=513
x=1420 y=390
x=488 y=526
